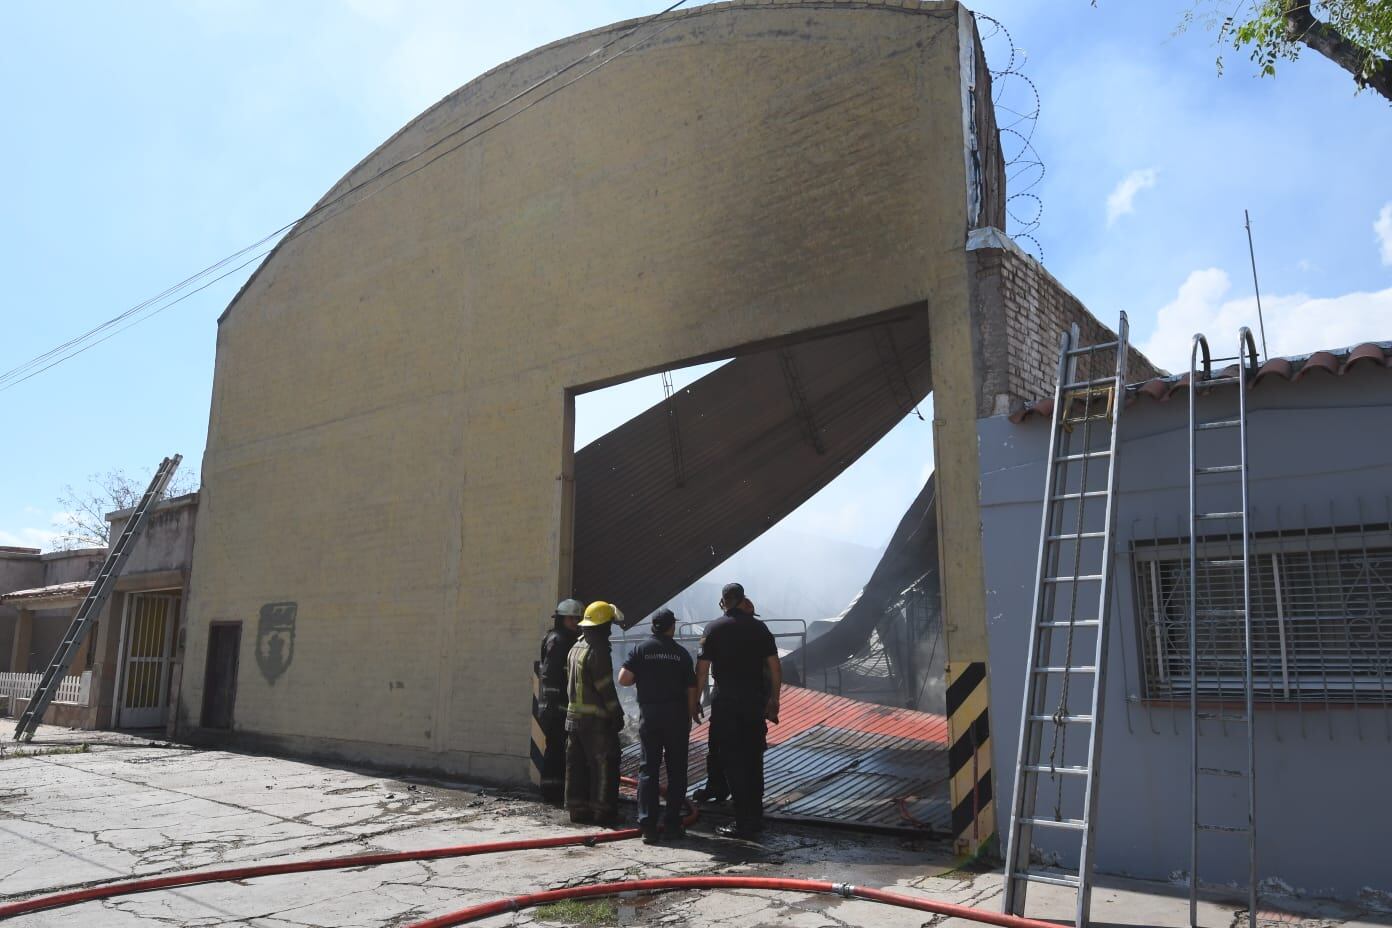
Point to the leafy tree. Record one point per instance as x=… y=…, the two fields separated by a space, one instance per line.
x=1354 y=34
x=83 y=522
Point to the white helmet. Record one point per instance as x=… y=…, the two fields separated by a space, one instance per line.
x=570 y=607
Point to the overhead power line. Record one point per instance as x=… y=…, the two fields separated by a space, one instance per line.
x=383 y=180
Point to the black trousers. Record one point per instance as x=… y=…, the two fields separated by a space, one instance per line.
x=665 y=731
x=738 y=735
x=592 y=768
x=553 y=759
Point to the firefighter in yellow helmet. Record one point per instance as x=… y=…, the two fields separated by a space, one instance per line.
x=593 y=721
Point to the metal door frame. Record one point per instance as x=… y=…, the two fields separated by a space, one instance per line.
x=123 y=648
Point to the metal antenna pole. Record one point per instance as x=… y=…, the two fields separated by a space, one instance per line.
x=1252 y=253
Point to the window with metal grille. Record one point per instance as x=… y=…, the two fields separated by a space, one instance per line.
x=1321 y=617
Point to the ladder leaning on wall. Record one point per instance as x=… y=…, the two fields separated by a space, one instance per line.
x=91 y=607
x=1072 y=596
x=1219 y=626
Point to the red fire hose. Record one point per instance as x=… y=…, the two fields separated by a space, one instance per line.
x=109 y=890
x=516 y=903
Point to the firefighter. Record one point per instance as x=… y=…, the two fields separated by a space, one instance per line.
x=666 y=699
x=555 y=648
x=593 y=721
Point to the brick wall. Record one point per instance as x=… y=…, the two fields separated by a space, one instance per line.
x=1021 y=312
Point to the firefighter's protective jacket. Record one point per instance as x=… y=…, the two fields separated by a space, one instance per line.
x=591 y=684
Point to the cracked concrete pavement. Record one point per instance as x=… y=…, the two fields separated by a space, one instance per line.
x=130 y=807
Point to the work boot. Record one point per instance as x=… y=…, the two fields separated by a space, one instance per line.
x=582 y=816
x=674 y=831
x=735 y=830
x=650 y=834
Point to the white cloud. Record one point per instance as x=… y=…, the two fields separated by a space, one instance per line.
x=1383 y=228
x=1123 y=197
x=44 y=538
x=1295 y=324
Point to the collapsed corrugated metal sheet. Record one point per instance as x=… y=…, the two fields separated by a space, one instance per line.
x=836 y=760
x=669 y=495
x=910 y=557
x=1294 y=369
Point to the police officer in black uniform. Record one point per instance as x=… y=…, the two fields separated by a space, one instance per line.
x=551 y=707
x=741 y=652
x=667 y=699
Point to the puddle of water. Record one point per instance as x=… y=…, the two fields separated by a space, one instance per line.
x=635 y=910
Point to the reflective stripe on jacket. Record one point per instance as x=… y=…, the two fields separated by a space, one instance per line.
x=591 y=683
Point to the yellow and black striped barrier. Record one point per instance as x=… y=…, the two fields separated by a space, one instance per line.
x=969 y=758
x=538 y=751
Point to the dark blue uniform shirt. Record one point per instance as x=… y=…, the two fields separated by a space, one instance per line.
x=663 y=670
x=738 y=646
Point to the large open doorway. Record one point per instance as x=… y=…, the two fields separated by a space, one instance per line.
x=148 y=628
x=803 y=472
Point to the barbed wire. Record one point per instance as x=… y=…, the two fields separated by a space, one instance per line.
x=1017 y=103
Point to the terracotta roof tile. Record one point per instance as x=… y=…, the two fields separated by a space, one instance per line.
x=1292 y=369
x=1319 y=361
x=1365 y=352
x=1274 y=367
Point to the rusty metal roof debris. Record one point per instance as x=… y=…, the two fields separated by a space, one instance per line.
x=1293 y=369
x=39 y=595
x=832 y=759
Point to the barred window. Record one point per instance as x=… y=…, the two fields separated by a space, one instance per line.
x=1321 y=617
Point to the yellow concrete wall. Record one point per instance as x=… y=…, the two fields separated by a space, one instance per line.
x=390 y=397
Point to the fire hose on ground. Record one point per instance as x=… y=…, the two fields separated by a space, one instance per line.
x=515 y=903
x=595 y=890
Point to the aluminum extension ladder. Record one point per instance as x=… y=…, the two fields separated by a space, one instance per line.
x=1215 y=621
x=1072 y=595
x=91 y=606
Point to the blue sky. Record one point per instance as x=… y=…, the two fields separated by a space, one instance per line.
x=145 y=142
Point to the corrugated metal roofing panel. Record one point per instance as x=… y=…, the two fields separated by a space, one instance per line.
x=746 y=435
x=836 y=760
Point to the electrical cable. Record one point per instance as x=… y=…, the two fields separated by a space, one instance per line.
x=56 y=355
x=845 y=890
x=92 y=344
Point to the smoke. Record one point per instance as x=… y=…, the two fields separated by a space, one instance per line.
x=788 y=575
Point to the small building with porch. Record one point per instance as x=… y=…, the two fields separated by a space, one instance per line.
x=128 y=664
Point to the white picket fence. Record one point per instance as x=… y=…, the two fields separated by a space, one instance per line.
x=74 y=690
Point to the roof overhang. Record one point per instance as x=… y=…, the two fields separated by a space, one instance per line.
x=57 y=596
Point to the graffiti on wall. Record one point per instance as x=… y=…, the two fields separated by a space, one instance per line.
x=275 y=639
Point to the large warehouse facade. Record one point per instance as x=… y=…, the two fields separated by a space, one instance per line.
x=391 y=502
x=389 y=445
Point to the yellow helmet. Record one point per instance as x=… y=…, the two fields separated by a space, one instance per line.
x=599 y=613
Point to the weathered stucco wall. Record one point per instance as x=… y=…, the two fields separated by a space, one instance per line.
x=161 y=560
x=389 y=437
x=166 y=542
x=1337 y=472
x=20 y=569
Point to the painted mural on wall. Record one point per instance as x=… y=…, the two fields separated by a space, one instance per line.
x=275 y=639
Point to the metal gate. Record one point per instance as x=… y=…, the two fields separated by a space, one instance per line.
x=146 y=655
